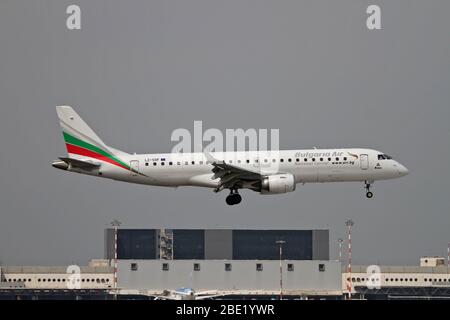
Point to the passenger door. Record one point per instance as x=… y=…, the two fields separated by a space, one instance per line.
x=364 y=161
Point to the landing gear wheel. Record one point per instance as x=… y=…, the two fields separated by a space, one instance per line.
x=369 y=194
x=229 y=200
x=233 y=198
x=237 y=198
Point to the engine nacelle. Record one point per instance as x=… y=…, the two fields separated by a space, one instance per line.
x=278 y=183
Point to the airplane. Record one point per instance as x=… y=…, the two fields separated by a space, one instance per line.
x=266 y=172
x=187 y=294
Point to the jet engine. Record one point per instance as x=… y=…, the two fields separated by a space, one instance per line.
x=278 y=183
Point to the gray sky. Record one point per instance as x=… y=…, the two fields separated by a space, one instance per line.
x=137 y=70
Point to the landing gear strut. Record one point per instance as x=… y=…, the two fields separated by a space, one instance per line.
x=233 y=198
x=368 y=193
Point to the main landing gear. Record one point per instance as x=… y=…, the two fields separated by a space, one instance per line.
x=368 y=193
x=233 y=198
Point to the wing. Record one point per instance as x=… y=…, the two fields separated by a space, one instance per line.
x=234 y=177
x=210 y=297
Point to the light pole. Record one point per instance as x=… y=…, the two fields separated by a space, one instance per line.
x=280 y=243
x=340 y=242
x=349 y=223
x=448 y=255
x=116 y=224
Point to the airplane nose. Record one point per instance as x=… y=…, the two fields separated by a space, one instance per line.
x=402 y=170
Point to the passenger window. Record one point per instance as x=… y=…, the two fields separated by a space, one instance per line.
x=248 y=161
x=193 y=162
x=170 y=163
x=345 y=158
x=329 y=159
x=146 y=164
x=154 y=163
x=306 y=159
x=337 y=159
x=162 y=163
x=321 y=159
x=313 y=159
x=289 y=160
x=298 y=160
x=281 y=160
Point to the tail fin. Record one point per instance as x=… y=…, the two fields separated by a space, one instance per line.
x=82 y=142
x=73 y=126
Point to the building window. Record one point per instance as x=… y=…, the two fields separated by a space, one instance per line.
x=227 y=266
x=134 y=267
x=196 y=266
x=259 y=267
x=290 y=267
x=165 y=267
x=321 y=267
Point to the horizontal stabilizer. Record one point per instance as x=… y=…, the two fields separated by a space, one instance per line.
x=75 y=163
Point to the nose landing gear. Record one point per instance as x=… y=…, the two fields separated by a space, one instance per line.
x=233 y=198
x=369 y=194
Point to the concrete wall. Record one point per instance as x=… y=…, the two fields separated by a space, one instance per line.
x=242 y=277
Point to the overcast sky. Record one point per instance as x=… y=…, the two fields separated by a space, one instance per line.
x=137 y=70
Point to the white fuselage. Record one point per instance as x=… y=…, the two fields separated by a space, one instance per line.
x=307 y=166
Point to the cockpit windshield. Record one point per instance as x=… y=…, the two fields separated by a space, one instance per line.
x=384 y=157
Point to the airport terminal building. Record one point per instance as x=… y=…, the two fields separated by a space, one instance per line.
x=232 y=263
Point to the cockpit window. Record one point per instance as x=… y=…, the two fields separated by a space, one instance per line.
x=384 y=157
